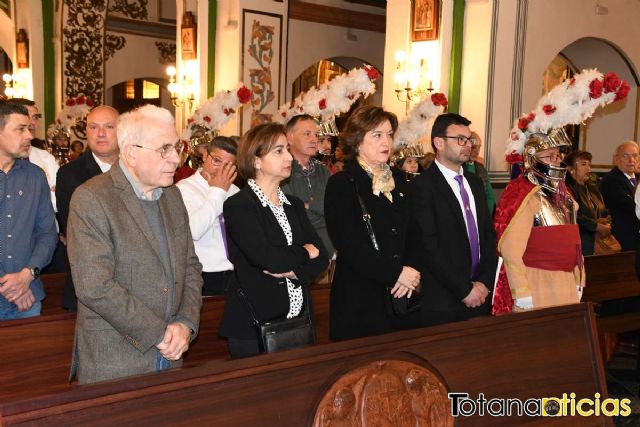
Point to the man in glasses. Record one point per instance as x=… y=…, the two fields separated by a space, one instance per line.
x=538 y=235
x=204 y=193
x=137 y=277
x=455 y=245
x=102 y=152
x=618 y=188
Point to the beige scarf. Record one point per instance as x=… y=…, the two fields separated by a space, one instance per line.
x=381 y=177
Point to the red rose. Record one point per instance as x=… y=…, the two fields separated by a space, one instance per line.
x=514 y=157
x=80 y=100
x=89 y=102
x=228 y=111
x=439 y=99
x=523 y=123
x=623 y=91
x=372 y=73
x=531 y=117
x=207 y=119
x=611 y=82
x=284 y=114
x=572 y=81
x=244 y=94
x=595 y=89
x=70 y=102
x=549 y=109
x=322 y=104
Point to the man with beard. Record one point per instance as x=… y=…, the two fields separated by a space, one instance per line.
x=455 y=251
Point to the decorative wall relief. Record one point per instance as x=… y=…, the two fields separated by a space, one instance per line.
x=134 y=9
x=261 y=65
x=83 y=48
x=167 y=51
x=112 y=43
x=386 y=393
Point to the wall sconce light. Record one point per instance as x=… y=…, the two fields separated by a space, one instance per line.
x=182 y=92
x=22 y=49
x=12 y=86
x=411 y=79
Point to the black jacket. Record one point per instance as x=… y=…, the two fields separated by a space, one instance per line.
x=358 y=291
x=256 y=243
x=591 y=208
x=618 y=193
x=70 y=177
x=445 y=252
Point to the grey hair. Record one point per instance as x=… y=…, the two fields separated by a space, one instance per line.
x=133 y=127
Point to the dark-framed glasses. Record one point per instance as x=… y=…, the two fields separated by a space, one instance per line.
x=166 y=150
x=463 y=140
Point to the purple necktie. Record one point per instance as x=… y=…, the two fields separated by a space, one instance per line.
x=634 y=181
x=472 y=230
x=223 y=232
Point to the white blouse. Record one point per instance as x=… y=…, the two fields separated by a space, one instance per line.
x=295 y=293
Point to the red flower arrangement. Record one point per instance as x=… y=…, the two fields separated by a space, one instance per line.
x=322 y=104
x=595 y=89
x=372 y=73
x=611 y=82
x=514 y=157
x=523 y=123
x=549 y=109
x=623 y=91
x=244 y=94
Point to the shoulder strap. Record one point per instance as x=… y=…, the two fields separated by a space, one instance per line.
x=365 y=215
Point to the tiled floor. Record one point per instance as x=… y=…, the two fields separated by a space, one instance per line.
x=623 y=381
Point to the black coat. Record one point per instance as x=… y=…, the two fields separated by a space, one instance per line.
x=618 y=193
x=445 y=259
x=358 y=291
x=590 y=209
x=256 y=243
x=70 y=177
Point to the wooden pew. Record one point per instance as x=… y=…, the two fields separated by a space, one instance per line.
x=54 y=288
x=536 y=354
x=36 y=354
x=609 y=278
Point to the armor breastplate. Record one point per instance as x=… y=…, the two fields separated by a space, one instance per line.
x=551 y=214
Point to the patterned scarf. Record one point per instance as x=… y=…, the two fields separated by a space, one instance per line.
x=381 y=179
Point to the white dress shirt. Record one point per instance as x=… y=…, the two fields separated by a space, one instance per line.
x=49 y=165
x=204 y=206
x=450 y=176
x=104 y=166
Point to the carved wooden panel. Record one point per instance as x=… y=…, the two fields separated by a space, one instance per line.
x=386 y=393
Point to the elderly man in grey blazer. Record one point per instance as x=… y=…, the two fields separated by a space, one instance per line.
x=138 y=279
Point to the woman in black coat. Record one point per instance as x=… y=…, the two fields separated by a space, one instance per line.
x=364 y=276
x=275 y=251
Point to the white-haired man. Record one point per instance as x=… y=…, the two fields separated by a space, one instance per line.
x=137 y=277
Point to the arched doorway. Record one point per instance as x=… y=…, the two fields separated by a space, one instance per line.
x=129 y=94
x=616 y=122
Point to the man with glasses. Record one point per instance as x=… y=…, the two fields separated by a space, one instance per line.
x=102 y=153
x=538 y=235
x=454 y=240
x=204 y=193
x=618 y=187
x=137 y=277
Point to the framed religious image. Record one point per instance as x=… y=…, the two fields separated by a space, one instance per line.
x=261 y=65
x=425 y=20
x=188 y=36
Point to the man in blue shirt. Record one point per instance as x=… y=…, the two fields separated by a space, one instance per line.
x=27 y=224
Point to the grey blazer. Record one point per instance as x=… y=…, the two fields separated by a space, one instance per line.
x=124 y=300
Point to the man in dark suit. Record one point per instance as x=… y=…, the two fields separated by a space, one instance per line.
x=103 y=152
x=455 y=241
x=618 y=188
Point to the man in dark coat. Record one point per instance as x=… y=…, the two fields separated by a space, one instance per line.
x=451 y=219
x=617 y=188
x=103 y=152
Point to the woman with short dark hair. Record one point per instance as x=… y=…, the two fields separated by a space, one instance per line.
x=592 y=213
x=371 y=265
x=275 y=251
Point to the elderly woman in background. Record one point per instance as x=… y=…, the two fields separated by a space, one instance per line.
x=371 y=264
x=592 y=214
x=275 y=251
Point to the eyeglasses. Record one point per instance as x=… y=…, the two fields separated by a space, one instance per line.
x=463 y=140
x=628 y=156
x=166 y=150
x=553 y=156
x=217 y=161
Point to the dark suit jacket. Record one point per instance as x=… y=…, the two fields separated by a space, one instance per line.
x=437 y=220
x=256 y=243
x=70 y=177
x=618 y=193
x=125 y=301
x=358 y=291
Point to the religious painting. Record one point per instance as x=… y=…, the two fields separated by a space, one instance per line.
x=425 y=19
x=261 y=65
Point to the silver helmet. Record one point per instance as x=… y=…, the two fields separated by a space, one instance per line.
x=539 y=172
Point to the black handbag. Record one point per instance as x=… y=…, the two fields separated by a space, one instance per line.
x=397 y=306
x=280 y=334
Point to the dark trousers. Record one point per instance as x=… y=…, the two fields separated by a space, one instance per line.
x=215 y=283
x=243 y=348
